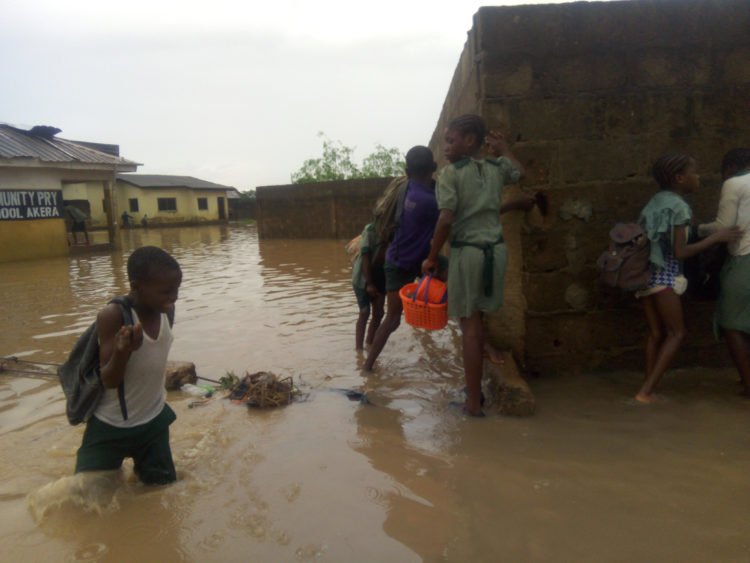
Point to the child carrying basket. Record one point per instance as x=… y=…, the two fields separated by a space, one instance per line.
x=425 y=303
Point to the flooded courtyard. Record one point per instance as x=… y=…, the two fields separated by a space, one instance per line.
x=591 y=477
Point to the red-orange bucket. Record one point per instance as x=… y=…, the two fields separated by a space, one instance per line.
x=425 y=303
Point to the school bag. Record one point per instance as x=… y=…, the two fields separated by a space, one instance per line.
x=389 y=208
x=353 y=248
x=625 y=264
x=80 y=374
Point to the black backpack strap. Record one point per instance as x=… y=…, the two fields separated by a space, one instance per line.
x=127 y=319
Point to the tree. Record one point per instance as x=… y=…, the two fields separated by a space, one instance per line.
x=337 y=164
x=247 y=194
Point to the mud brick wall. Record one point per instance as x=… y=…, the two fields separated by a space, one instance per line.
x=590 y=94
x=337 y=209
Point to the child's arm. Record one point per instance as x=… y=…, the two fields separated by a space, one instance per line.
x=442 y=232
x=116 y=342
x=370 y=288
x=523 y=203
x=684 y=250
x=499 y=147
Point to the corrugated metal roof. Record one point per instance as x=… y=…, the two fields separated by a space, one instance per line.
x=20 y=144
x=169 y=181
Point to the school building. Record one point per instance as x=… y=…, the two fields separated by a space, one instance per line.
x=38 y=173
x=41 y=174
x=172 y=200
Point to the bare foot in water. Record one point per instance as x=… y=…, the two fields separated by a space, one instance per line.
x=493 y=354
x=645 y=399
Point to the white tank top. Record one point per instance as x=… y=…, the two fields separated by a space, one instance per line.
x=144 y=381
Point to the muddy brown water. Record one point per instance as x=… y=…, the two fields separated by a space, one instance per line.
x=591 y=477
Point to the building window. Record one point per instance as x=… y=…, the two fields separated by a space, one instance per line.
x=133 y=203
x=167 y=203
x=203 y=203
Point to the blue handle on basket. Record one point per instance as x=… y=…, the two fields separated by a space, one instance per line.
x=428 y=279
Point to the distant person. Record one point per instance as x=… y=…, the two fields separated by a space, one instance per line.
x=733 y=307
x=78 y=219
x=666 y=219
x=144 y=221
x=368 y=282
x=126 y=219
x=137 y=425
x=410 y=244
x=469 y=191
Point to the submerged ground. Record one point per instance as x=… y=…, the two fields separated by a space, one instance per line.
x=592 y=477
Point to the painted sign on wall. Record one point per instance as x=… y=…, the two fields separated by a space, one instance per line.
x=26 y=205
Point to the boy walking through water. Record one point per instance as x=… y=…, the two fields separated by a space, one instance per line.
x=136 y=423
x=410 y=244
x=469 y=197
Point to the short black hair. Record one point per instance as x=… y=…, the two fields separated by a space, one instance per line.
x=469 y=124
x=668 y=166
x=420 y=161
x=735 y=160
x=146 y=261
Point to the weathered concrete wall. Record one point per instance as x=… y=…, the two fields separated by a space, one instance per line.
x=591 y=94
x=337 y=209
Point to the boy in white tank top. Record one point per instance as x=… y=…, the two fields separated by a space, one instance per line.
x=132 y=418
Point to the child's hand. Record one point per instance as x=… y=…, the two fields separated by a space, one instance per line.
x=429 y=265
x=730 y=234
x=496 y=143
x=129 y=338
x=526 y=202
x=372 y=291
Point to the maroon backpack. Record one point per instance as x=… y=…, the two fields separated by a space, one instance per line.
x=625 y=264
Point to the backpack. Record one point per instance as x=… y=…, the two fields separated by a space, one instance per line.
x=80 y=374
x=353 y=247
x=625 y=264
x=389 y=208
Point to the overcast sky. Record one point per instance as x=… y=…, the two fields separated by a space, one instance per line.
x=231 y=92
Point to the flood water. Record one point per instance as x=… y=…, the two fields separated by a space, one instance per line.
x=591 y=477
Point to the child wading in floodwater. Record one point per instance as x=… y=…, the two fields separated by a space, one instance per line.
x=368 y=282
x=666 y=219
x=136 y=355
x=410 y=244
x=469 y=197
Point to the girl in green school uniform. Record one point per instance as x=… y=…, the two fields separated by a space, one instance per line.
x=469 y=198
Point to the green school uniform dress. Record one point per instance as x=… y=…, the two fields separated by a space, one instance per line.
x=472 y=190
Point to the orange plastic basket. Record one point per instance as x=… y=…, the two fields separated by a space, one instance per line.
x=420 y=308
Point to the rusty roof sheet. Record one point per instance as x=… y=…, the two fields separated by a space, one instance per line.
x=21 y=144
x=170 y=181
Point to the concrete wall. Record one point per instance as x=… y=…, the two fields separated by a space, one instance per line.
x=590 y=94
x=321 y=210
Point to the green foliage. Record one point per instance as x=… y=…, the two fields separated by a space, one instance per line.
x=247 y=194
x=337 y=164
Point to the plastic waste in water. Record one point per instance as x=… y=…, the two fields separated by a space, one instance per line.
x=196 y=391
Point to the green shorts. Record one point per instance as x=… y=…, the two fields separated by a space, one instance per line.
x=396 y=278
x=104 y=447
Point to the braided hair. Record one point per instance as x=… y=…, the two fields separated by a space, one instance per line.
x=147 y=260
x=668 y=166
x=734 y=161
x=469 y=124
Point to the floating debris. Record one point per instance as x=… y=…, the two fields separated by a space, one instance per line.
x=262 y=390
x=13 y=364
